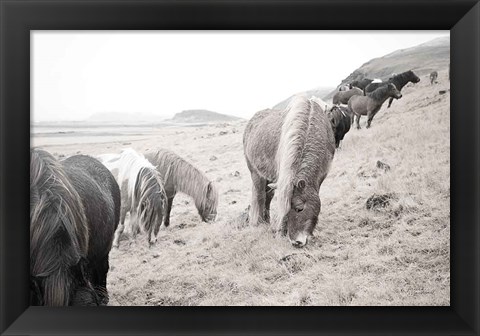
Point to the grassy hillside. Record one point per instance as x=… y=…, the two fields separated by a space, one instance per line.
x=398 y=254
x=422 y=59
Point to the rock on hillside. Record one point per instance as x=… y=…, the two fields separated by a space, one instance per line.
x=422 y=59
x=201 y=116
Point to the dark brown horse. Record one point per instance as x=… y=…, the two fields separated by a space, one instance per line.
x=289 y=151
x=74 y=209
x=340 y=119
x=370 y=104
x=399 y=80
x=361 y=84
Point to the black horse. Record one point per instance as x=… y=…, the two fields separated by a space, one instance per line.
x=399 y=80
x=340 y=119
x=361 y=84
x=74 y=210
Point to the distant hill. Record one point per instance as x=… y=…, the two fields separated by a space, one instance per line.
x=127 y=118
x=201 y=116
x=422 y=59
x=319 y=92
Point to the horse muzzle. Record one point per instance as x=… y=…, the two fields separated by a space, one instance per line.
x=300 y=241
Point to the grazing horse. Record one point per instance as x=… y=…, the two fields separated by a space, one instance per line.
x=342 y=97
x=361 y=84
x=433 y=77
x=341 y=121
x=143 y=194
x=399 y=80
x=74 y=210
x=289 y=151
x=181 y=176
x=370 y=104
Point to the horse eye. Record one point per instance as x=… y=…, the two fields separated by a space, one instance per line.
x=299 y=208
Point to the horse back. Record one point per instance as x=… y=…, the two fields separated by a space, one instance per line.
x=260 y=142
x=163 y=161
x=100 y=196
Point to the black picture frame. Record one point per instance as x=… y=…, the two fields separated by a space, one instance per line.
x=19 y=17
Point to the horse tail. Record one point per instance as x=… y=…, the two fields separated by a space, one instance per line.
x=290 y=150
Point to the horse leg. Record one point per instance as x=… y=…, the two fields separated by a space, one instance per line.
x=99 y=279
x=369 y=119
x=121 y=226
x=269 y=192
x=257 y=209
x=371 y=114
x=357 y=120
x=390 y=101
x=166 y=220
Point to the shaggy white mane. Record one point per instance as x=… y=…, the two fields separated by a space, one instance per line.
x=126 y=166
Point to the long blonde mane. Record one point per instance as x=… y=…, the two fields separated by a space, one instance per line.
x=290 y=153
x=187 y=179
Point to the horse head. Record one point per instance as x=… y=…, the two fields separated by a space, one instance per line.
x=413 y=78
x=302 y=217
x=393 y=92
x=208 y=210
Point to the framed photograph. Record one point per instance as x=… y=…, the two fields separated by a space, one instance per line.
x=303 y=163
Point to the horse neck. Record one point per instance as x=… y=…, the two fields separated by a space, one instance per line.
x=380 y=94
x=186 y=179
x=400 y=81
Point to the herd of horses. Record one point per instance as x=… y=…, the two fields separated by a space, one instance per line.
x=79 y=205
x=365 y=97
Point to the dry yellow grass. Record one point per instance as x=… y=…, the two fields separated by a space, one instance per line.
x=395 y=255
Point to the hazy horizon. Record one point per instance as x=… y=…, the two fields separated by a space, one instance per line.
x=78 y=74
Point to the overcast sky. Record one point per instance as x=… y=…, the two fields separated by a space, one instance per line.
x=77 y=74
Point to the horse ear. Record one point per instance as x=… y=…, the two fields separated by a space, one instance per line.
x=301 y=184
x=272 y=186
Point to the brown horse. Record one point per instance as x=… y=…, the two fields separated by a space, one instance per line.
x=180 y=176
x=342 y=97
x=74 y=210
x=289 y=151
x=370 y=104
